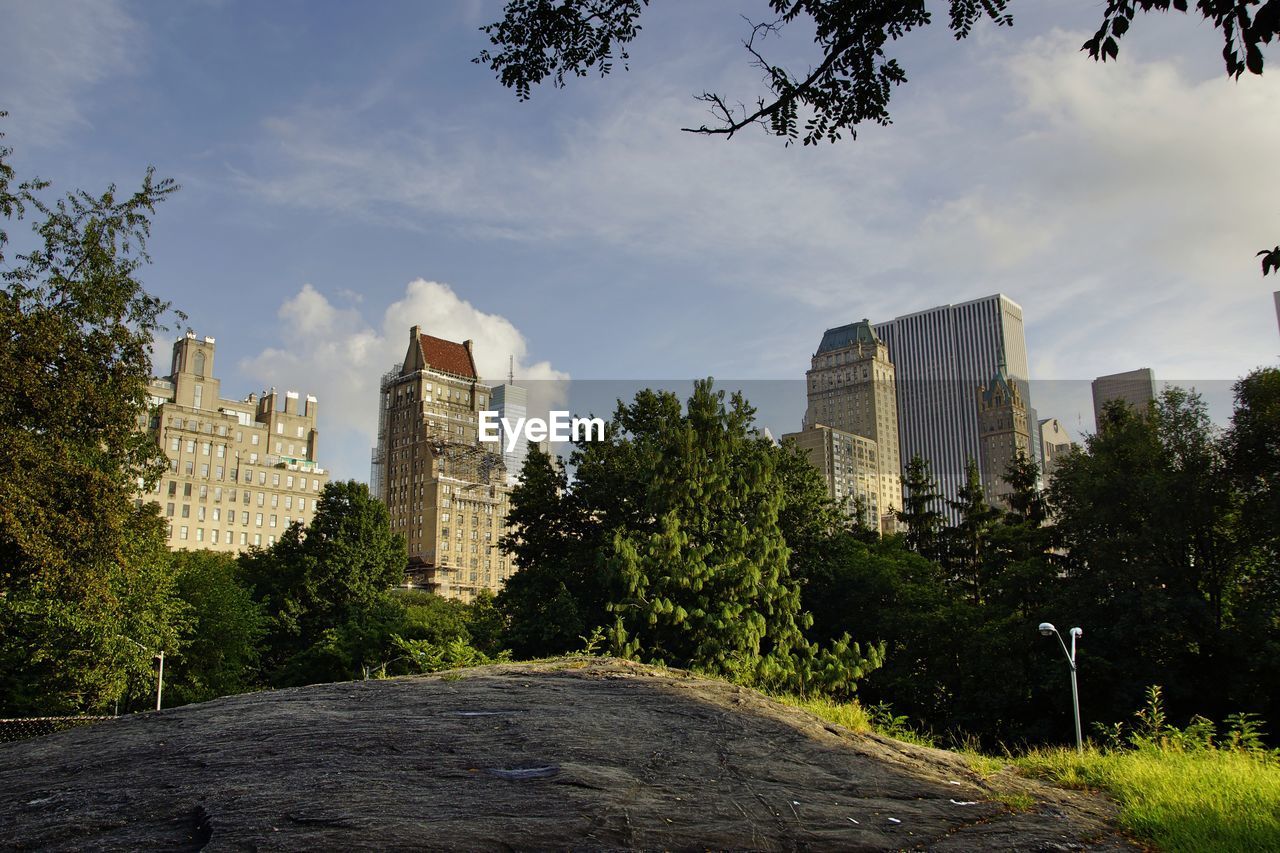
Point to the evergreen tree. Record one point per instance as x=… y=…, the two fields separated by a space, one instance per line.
x=710 y=587
x=968 y=542
x=920 y=514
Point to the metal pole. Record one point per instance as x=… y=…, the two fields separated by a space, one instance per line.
x=1075 y=700
x=160 y=690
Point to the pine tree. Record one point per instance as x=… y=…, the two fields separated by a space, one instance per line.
x=920 y=514
x=710 y=587
x=968 y=542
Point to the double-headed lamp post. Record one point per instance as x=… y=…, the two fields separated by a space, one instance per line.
x=1046 y=628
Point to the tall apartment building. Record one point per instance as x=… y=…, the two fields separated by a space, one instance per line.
x=240 y=471
x=850 y=464
x=1135 y=387
x=445 y=490
x=1055 y=442
x=511 y=402
x=1003 y=434
x=941 y=357
x=851 y=388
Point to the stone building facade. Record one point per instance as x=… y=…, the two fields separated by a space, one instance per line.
x=240 y=471
x=445 y=490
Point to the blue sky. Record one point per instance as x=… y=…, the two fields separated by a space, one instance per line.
x=348 y=172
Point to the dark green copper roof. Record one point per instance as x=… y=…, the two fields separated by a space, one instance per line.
x=845 y=336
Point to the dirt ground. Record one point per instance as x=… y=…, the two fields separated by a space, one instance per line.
x=567 y=754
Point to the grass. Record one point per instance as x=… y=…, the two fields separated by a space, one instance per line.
x=1177 y=799
x=1193 y=800
x=851 y=715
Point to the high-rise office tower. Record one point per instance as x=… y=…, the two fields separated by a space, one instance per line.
x=941 y=357
x=1135 y=387
x=1003 y=434
x=445 y=490
x=511 y=402
x=240 y=471
x=851 y=388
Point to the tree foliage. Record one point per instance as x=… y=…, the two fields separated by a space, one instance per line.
x=326 y=589
x=82 y=566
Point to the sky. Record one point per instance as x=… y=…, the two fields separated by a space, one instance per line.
x=348 y=172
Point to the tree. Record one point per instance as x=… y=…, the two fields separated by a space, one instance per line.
x=221 y=644
x=919 y=511
x=82 y=566
x=327 y=588
x=852 y=77
x=707 y=584
x=968 y=542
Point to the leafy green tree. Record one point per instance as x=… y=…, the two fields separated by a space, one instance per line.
x=221 y=645
x=1145 y=513
x=326 y=589
x=707 y=584
x=82 y=566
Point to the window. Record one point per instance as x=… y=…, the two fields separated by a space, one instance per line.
x=243 y=538
x=168 y=510
x=204 y=492
x=288 y=501
x=217 y=472
x=257 y=539
x=244 y=519
x=275 y=479
x=299 y=432
x=191 y=446
x=257 y=519
x=261 y=498
x=182 y=532
x=190 y=468
x=275 y=501
x=204 y=470
x=204 y=448
x=186 y=490
x=279 y=428
x=273 y=521
x=173 y=488
x=253 y=459
x=262 y=478
x=217 y=515
x=289 y=481
x=222 y=451
x=199 y=513
x=186 y=510
x=199 y=534
x=217 y=494
x=175 y=444
x=214 y=535
x=254 y=439
x=279 y=447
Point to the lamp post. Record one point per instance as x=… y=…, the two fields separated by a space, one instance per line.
x=1046 y=628
x=160 y=675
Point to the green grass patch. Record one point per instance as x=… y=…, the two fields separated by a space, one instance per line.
x=1194 y=800
x=851 y=715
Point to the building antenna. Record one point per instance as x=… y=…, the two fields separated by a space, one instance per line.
x=511 y=369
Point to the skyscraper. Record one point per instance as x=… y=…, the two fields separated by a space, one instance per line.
x=1055 y=442
x=851 y=388
x=941 y=357
x=511 y=402
x=1135 y=387
x=850 y=465
x=240 y=471
x=445 y=490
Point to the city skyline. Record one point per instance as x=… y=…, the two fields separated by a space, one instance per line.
x=365 y=171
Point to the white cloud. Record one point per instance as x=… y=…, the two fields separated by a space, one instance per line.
x=332 y=353
x=55 y=52
x=1120 y=204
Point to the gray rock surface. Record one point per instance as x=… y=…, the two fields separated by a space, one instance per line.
x=565 y=754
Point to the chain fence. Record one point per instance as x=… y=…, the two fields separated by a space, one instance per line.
x=22 y=728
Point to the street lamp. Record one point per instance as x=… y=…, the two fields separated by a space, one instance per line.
x=1046 y=628
x=160 y=676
